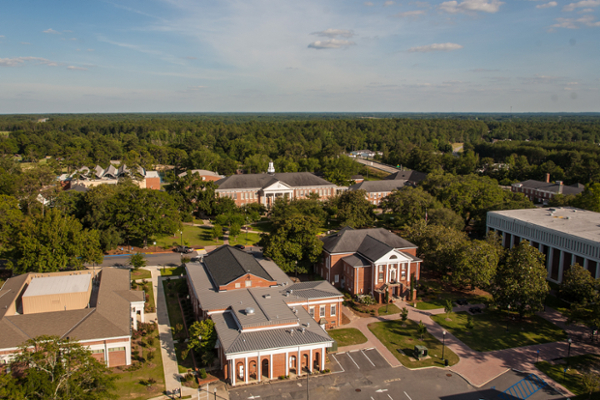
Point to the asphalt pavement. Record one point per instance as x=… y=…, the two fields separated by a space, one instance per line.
x=366 y=375
x=159 y=259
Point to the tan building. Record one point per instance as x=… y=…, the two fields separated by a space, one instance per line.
x=85 y=178
x=267 y=326
x=204 y=175
x=98 y=310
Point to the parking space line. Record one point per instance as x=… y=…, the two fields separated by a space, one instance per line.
x=391 y=396
x=407 y=396
x=367 y=358
x=350 y=357
x=336 y=360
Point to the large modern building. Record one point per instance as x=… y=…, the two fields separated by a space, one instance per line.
x=265 y=188
x=267 y=326
x=97 y=309
x=565 y=235
x=370 y=261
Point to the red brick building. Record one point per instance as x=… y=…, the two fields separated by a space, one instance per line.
x=267 y=325
x=98 y=310
x=543 y=192
x=370 y=261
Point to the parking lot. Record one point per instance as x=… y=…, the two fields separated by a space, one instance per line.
x=366 y=375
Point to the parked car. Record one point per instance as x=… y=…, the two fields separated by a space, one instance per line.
x=184 y=249
x=196 y=259
x=475 y=310
x=240 y=246
x=462 y=302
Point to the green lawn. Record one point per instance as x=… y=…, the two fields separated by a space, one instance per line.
x=141 y=274
x=347 y=336
x=433 y=295
x=489 y=331
x=241 y=239
x=264 y=227
x=392 y=309
x=558 y=304
x=177 y=271
x=572 y=380
x=402 y=340
x=199 y=236
x=128 y=385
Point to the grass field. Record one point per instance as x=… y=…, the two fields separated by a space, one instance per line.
x=141 y=274
x=347 y=336
x=177 y=271
x=391 y=309
x=489 y=330
x=433 y=295
x=572 y=379
x=128 y=385
x=199 y=236
x=402 y=340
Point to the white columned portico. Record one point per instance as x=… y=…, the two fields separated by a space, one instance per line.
x=246 y=369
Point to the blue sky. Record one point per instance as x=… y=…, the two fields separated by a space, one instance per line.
x=283 y=55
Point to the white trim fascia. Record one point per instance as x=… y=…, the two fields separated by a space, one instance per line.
x=233 y=356
x=314 y=302
x=270 y=327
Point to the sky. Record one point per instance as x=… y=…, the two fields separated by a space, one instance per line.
x=87 y=56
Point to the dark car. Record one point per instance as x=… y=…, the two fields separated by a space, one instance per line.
x=475 y=310
x=462 y=302
x=184 y=249
x=240 y=246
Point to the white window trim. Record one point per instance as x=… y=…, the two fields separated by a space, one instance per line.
x=321 y=311
x=333 y=310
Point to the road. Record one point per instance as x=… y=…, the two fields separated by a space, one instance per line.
x=376 y=165
x=365 y=375
x=168 y=259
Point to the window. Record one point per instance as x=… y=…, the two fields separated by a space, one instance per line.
x=238 y=285
x=311 y=311
x=248 y=283
x=99 y=351
x=380 y=278
x=337 y=278
x=332 y=311
x=322 y=311
x=116 y=349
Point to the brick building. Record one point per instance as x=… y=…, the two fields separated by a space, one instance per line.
x=267 y=326
x=542 y=192
x=370 y=261
x=265 y=188
x=98 y=310
x=565 y=235
x=85 y=178
x=378 y=190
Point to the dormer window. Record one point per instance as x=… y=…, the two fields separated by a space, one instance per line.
x=248 y=283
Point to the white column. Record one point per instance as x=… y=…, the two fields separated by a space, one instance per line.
x=310 y=362
x=246 y=369
x=322 y=364
x=258 y=367
x=134 y=317
x=560 y=265
x=549 y=260
x=271 y=366
x=106 y=353
x=128 y=353
x=287 y=363
x=299 y=363
x=233 y=372
x=142 y=315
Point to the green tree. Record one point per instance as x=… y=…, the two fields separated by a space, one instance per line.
x=137 y=260
x=591 y=382
x=203 y=338
x=235 y=230
x=589 y=199
x=353 y=209
x=421 y=329
x=578 y=286
x=216 y=232
x=53 y=242
x=60 y=369
x=476 y=264
x=448 y=307
x=10 y=218
x=445 y=217
x=521 y=280
x=293 y=242
x=409 y=204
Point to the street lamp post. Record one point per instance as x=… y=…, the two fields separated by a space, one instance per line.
x=215 y=392
x=181 y=235
x=569 y=351
x=443 y=344
x=507 y=318
x=155 y=245
x=296 y=262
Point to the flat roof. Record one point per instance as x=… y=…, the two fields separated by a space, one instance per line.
x=569 y=220
x=58 y=285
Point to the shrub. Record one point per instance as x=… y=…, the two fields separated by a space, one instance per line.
x=189 y=377
x=281 y=377
x=150 y=356
x=150 y=341
x=202 y=373
x=469 y=322
x=404 y=314
x=367 y=300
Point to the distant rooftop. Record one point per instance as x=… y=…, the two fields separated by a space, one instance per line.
x=572 y=221
x=58 y=285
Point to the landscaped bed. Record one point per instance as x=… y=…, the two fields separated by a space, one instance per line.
x=573 y=378
x=149 y=293
x=489 y=330
x=347 y=336
x=401 y=337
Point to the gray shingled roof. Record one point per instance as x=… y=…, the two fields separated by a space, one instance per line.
x=258 y=181
x=349 y=240
x=411 y=176
x=379 y=186
x=355 y=260
x=311 y=290
x=373 y=249
x=238 y=262
x=553 y=187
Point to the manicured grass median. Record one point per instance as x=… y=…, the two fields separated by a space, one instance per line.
x=141 y=274
x=391 y=309
x=402 y=340
x=573 y=379
x=177 y=271
x=347 y=336
x=489 y=330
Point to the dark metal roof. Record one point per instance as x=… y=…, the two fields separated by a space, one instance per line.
x=227 y=264
x=379 y=186
x=411 y=176
x=257 y=181
x=349 y=240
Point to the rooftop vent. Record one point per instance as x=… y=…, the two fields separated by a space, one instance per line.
x=291 y=332
x=303 y=329
x=307 y=324
x=267 y=296
x=249 y=311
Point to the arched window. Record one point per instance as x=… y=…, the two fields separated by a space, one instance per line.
x=393 y=257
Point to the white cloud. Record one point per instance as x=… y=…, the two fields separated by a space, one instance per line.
x=435 y=47
x=422 y=4
x=575 y=23
x=330 y=44
x=410 y=13
x=547 y=5
x=388 y=3
x=586 y=10
x=18 y=61
x=2 y=36
x=588 y=20
x=466 y=6
x=332 y=33
x=90 y=49
x=368 y=4
x=581 y=4
x=74 y=68
x=52 y=31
